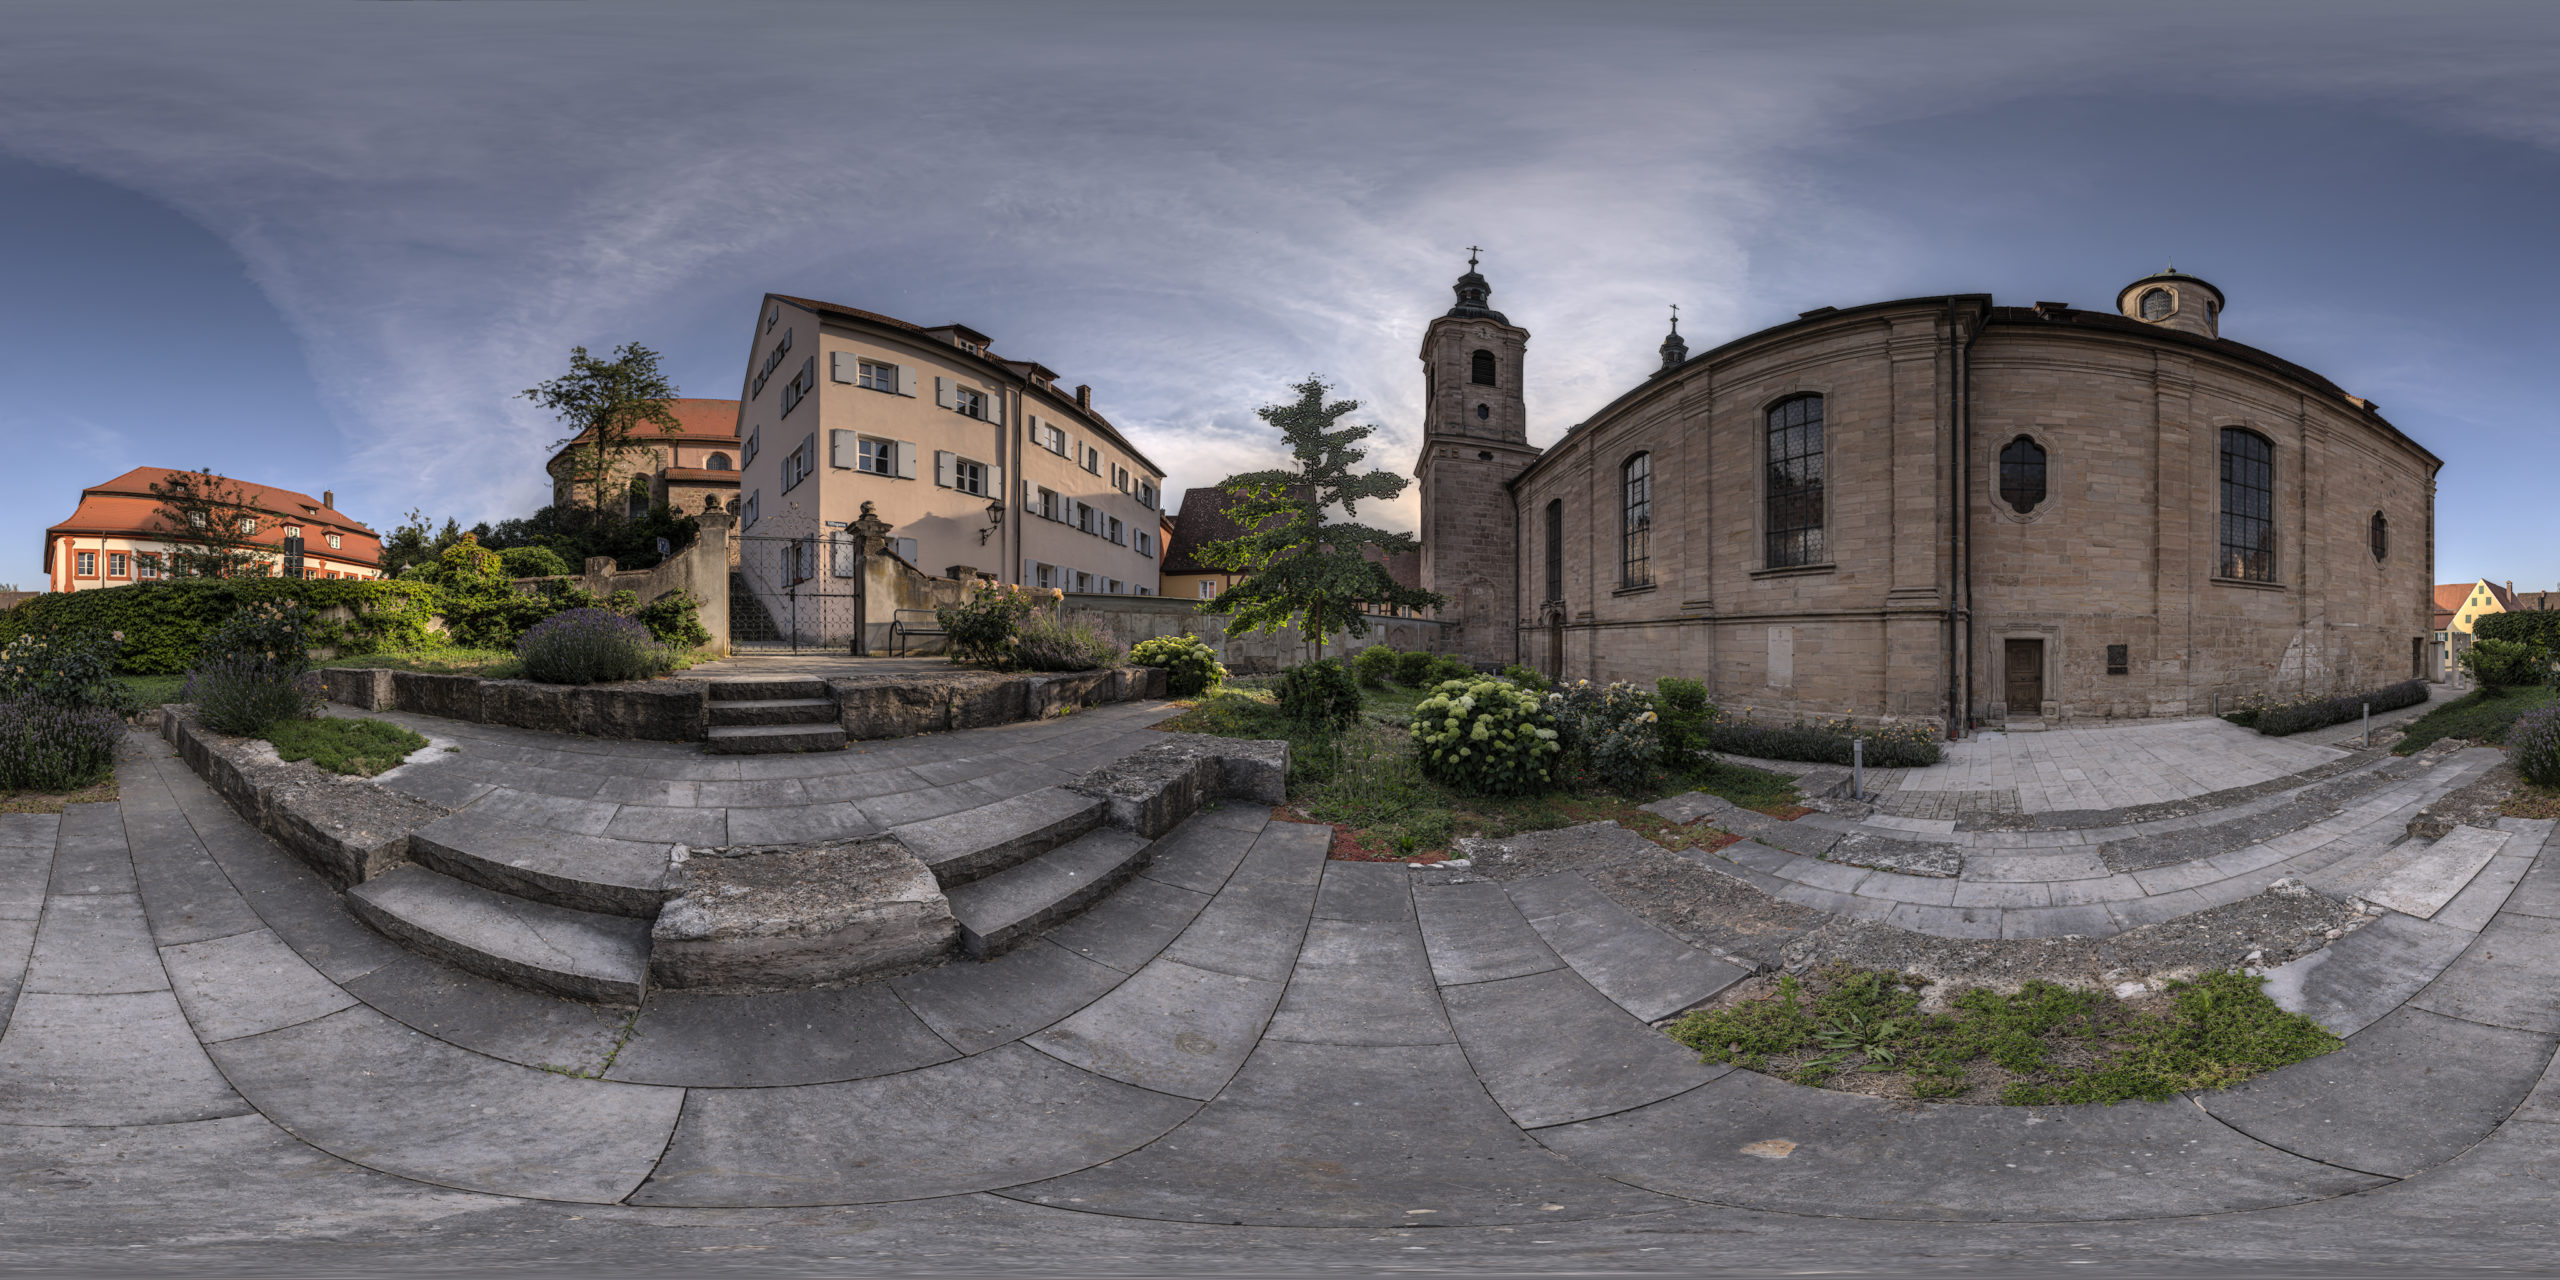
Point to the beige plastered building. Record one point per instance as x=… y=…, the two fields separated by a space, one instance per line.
x=979 y=464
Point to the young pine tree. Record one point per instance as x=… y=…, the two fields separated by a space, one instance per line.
x=1299 y=567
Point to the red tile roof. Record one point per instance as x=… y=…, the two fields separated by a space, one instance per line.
x=707 y=422
x=125 y=507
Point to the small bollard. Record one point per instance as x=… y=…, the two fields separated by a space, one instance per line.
x=1857 y=768
x=2368 y=724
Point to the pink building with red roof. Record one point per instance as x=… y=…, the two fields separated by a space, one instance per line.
x=119 y=534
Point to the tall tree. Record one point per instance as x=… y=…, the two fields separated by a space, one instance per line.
x=608 y=405
x=213 y=527
x=1299 y=567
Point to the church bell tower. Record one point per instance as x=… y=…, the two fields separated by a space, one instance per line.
x=1475 y=438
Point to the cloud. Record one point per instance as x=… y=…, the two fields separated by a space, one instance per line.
x=1188 y=208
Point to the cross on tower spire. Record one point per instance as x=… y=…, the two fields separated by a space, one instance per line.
x=1472 y=251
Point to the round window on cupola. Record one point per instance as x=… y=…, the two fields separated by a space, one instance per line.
x=2157 y=304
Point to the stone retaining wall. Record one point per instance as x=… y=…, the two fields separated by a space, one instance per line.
x=657 y=710
x=898 y=706
x=347 y=829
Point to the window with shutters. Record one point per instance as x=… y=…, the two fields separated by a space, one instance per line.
x=772 y=361
x=879 y=457
x=747 y=511
x=969 y=402
x=795 y=467
x=969 y=477
x=1048 y=436
x=1084 y=581
x=1146 y=544
x=1147 y=494
x=1795 y=498
x=1555 y=550
x=747 y=454
x=2248 y=507
x=2022 y=475
x=1484 y=367
x=1117 y=534
x=876 y=376
x=1047 y=504
x=1093 y=460
x=1636 y=548
x=801 y=384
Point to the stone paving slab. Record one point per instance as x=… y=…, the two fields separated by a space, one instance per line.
x=94 y=944
x=2509 y=977
x=2418 y=878
x=2482 y=899
x=120 y=1059
x=1475 y=934
x=1358 y=982
x=367 y=1089
x=17 y=942
x=2351 y=983
x=1344 y=1136
x=301 y=907
x=30 y=830
x=978 y=1006
x=1752 y=1141
x=1252 y=927
x=1647 y=972
x=784 y=1038
x=89 y=855
x=486 y=1016
x=1551 y=1049
x=1007 y=1116
x=1375 y=892
x=1136 y=922
x=248 y=984
x=1171 y=1028
x=2407 y=1093
x=24 y=871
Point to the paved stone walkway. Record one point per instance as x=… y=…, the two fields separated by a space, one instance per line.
x=1250 y=1056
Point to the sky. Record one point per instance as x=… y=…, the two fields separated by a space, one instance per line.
x=323 y=246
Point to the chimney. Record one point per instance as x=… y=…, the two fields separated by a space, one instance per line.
x=1084 y=397
x=328 y=499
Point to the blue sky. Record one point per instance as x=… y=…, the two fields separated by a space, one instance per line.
x=322 y=245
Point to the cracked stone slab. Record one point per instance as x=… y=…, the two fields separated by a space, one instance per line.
x=248 y=984
x=2351 y=983
x=1756 y=1142
x=119 y=1059
x=1906 y=857
x=1551 y=1049
x=783 y=1038
x=1361 y=982
x=1006 y=1116
x=2418 y=878
x=1647 y=972
x=1171 y=1028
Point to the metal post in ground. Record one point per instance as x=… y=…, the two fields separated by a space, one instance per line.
x=1858 y=768
x=2368 y=724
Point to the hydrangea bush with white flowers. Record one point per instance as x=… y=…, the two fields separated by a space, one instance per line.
x=1487 y=737
x=1611 y=735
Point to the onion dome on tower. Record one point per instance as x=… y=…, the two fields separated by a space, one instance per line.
x=1472 y=293
x=1675 y=352
x=2174 y=300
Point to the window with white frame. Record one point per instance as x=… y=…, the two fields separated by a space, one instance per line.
x=195 y=519
x=876 y=376
x=248 y=524
x=969 y=401
x=969 y=477
x=1048 y=504
x=87 y=566
x=795 y=467
x=1048 y=436
x=336 y=542
x=1044 y=576
x=772 y=361
x=118 y=564
x=1117 y=534
x=1093 y=459
x=801 y=384
x=146 y=565
x=879 y=457
x=1147 y=494
x=1084 y=581
x=1208 y=588
x=1110 y=586
x=1146 y=544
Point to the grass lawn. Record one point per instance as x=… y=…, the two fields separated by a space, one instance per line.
x=153 y=691
x=2044 y=1045
x=1365 y=781
x=491 y=664
x=2480 y=716
x=345 y=745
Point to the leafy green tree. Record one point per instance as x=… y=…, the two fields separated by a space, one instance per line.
x=1300 y=568
x=607 y=406
x=213 y=527
x=417 y=541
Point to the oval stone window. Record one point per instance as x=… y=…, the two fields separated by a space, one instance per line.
x=2022 y=475
x=2157 y=304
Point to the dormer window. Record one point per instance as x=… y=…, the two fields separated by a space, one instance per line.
x=2157 y=304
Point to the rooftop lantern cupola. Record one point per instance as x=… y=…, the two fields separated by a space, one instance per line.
x=1674 y=351
x=1472 y=293
x=2173 y=299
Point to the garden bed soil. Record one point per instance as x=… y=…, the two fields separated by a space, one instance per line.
x=2477 y=803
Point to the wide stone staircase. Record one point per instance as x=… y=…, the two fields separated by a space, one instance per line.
x=764 y=717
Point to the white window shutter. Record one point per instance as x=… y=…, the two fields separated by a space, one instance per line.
x=841 y=448
x=942 y=460
x=993 y=406
x=942 y=393
x=907 y=459
x=841 y=366
x=1026 y=571
x=906 y=380
x=906 y=549
x=1025 y=487
x=995 y=482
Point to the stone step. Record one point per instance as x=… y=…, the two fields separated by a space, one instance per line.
x=974 y=843
x=772 y=739
x=774 y=711
x=2418 y=877
x=563 y=868
x=1003 y=910
x=766 y=689
x=578 y=954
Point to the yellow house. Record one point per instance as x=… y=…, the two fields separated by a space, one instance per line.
x=2458 y=606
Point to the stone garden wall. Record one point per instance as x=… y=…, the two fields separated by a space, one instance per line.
x=1130 y=619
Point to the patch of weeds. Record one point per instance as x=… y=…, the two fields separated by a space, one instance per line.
x=2043 y=1044
x=100 y=792
x=2531 y=801
x=154 y=691
x=489 y=664
x=2480 y=716
x=344 y=745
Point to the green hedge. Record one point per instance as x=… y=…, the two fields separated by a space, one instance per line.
x=165 y=623
x=2541 y=626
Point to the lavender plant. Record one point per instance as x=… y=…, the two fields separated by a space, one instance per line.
x=50 y=746
x=2533 y=745
x=244 y=695
x=591 y=646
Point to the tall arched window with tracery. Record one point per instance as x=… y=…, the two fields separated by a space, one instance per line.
x=2248 y=507
x=2381 y=537
x=2022 y=475
x=1484 y=368
x=1794 y=516
x=1635 y=559
x=1555 y=550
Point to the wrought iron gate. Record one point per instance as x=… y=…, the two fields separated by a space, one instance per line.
x=796 y=595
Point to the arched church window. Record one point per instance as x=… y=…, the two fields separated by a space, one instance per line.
x=2157 y=304
x=2248 y=507
x=1794 y=521
x=1483 y=412
x=2022 y=475
x=1484 y=368
x=1555 y=550
x=2381 y=537
x=716 y=462
x=1636 y=545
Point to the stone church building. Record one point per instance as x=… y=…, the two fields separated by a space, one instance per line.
x=1935 y=509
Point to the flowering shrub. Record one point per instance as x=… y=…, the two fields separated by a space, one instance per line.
x=1320 y=693
x=244 y=694
x=1609 y=733
x=1486 y=737
x=164 y=623
x=1043 y=643
x=1190 y=666
x=75 y=670
x=591 y=646
x=1529 y=678
x=271 y=631
x=1901 y=746
x=1375 y=666
x=984 y=627
x=2533 y=746
x=53 y=746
